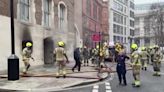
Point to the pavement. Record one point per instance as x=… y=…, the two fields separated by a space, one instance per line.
x=149 y=83
x=42 y=79
x=105 y=86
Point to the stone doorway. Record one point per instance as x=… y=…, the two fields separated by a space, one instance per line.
x=48 y=51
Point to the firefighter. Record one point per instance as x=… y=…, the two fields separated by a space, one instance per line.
x=27 y=56
x=106 y=51
x=149 y=58
x=60 y=56
x=151 y=54
x=136 y=65
x=101 y=57
x=157 y=61
x=118 y=48
x=144 y=58
x=103 y=54
x=96 y=55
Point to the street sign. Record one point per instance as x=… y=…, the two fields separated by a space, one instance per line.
x=96 y=37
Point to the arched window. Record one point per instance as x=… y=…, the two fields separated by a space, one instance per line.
x=62 y=13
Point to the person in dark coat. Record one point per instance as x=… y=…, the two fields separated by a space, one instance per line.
x=77 y=59
x=85 y=55
x=121 y=67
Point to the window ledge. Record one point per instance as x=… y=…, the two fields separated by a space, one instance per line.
x=26 y=23
x=47 y=27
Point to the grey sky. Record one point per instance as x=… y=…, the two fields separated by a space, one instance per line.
x=146 y=1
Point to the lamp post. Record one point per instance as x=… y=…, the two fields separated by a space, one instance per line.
x=13 y=60
x=99 y=48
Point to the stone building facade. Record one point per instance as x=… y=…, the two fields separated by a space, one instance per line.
x=44 y=23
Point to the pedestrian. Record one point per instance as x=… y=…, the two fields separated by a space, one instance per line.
x=60 y=55
x=157 y=56
x=95 y=57
x=77 y=59
x=92 y=56
x=121 y=67
x=136 y=65
x=81 y=55
x=85 y=55
x=26 y=56
x=144 y=58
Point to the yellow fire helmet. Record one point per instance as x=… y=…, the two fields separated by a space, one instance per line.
x=156 y=46
x=28 y=44
x=117 y=44
x=97 y=46
x=105 y=44
x=61 y=43
x=143 y=48
x=150 y=47
x=134 y=46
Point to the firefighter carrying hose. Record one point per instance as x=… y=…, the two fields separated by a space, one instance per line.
x=136 y=65
x=27 y=56
x=60 y=56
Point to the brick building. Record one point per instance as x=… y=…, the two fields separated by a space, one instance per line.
x=94 y=16
x=43 y=22
x=105 y=22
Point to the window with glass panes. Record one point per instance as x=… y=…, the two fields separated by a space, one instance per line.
x=131 y=5
x=131 y=32
x=88 y=8
x=131 y=14
x=117 y=29
x=46 y=12
x=95 y=10
x=24 y=9
x=118 y=6
x=62 y=16
x=117 y=18
x=131 y=23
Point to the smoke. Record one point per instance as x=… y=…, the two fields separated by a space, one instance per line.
x=26 y=36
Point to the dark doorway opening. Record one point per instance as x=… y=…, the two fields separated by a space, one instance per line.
x=48 y=51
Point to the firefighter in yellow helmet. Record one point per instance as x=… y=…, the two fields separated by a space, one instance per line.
x=144 y=58
x=104 y=54
x=157 y=56
x=96 y=56
x=26 y=56
x=60 y=55
x=118 y=47
x=136 y=65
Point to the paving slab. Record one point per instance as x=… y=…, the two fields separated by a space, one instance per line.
x=42 y=79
